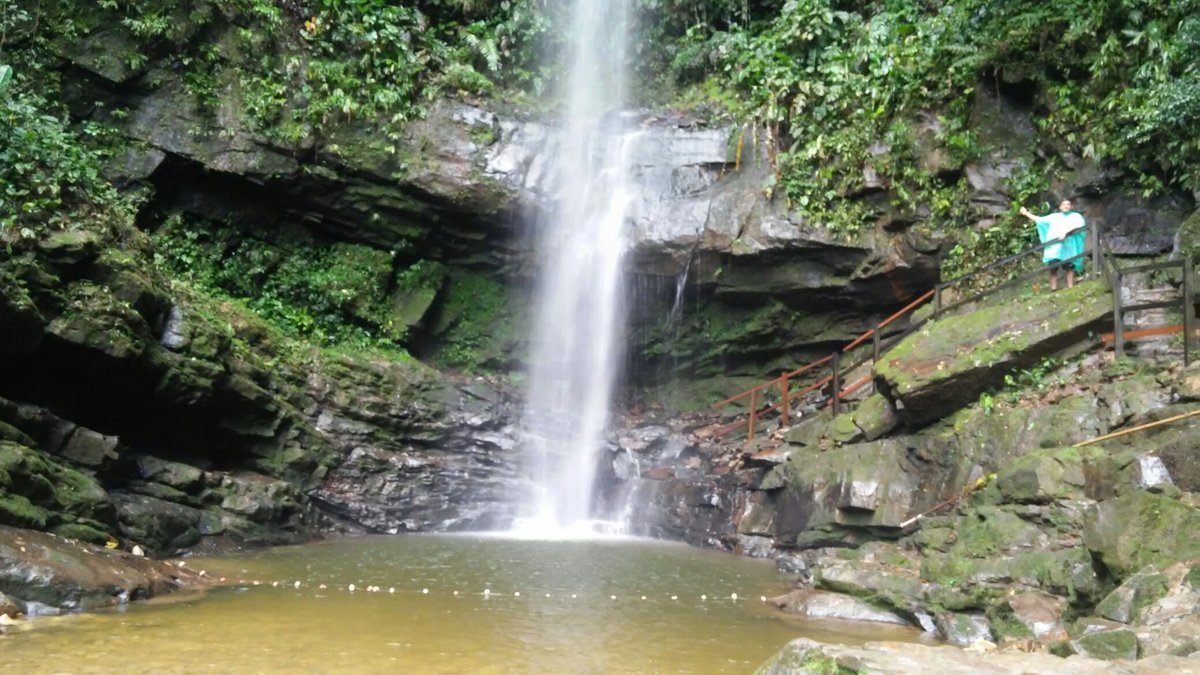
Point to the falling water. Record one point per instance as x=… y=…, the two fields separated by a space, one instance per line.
x=575 y=349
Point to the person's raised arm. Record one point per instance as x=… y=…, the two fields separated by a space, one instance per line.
x=1026 y=212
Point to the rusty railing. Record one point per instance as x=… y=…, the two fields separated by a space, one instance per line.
x=834 y=363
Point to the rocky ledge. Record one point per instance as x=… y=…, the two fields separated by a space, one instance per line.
x=43 y=573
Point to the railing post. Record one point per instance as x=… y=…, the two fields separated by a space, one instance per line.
x=753 y=415
x=785 y=404
x=937 y=300
x=837 y=383
x=1097 y=262
x=1189 y=309
x=1118 y=324
x=875 y=343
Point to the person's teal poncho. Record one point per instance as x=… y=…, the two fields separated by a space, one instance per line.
x=1057 y=226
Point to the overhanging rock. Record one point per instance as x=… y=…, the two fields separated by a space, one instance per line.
x=949 y=363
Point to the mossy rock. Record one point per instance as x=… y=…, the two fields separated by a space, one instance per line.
x=950 y=362
x=875 y=416
x=10 y=433
x=416 y=289
x=975 y=583
x=1110 y=645
x=806 y=656
x=162 y=527
x=845 y=430
x=477 y=323
x=810 y=431
x=1139 y=529
x=938 y=539
x=39 y=491
x=1188 y=239
x=81 y=532
x=95 y=320
x=1057 y=473
x=1126 y=603
x=857 y=486
x=990 y=531
x=882 y=585
x=20 y=512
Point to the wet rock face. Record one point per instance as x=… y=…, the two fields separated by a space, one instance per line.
x=44 y=574
x=466 y=479
x=669 y=483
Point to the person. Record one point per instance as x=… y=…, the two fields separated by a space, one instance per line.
x=1065 y=225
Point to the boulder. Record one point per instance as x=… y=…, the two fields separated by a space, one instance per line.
x=816 y=604
x=898 y=588
x=950 y=362
x=865 y=485
x=964 y=628
x=875 y=417
x=1160 y=606
x=161 y=527
x=1139 y=529
x=1041 y=613
x=1108 y=643
x=89 y=448
x=1127 y=601
x=183 y=477
x=9 y=607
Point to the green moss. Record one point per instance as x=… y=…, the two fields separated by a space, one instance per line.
x=990 y=531
x=477 y=322
x=1138 y=529
x=1110 y=644
x=712 y=337
x=1005 y=625
x=38 y=489
x=81 y=532
x=20 y=512
x=986 y=336
x=11 y=433
x=950 y=570
x=824 y=665
x=1193 y=577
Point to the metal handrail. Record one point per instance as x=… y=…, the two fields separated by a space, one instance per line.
x=1012 y=258
x=1101 y=253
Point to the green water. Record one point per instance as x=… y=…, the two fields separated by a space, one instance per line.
x=565 y=618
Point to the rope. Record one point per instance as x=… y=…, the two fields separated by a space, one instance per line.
x=982 y=482
x=1148 y=425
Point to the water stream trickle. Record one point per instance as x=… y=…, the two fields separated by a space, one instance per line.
x=575 y=349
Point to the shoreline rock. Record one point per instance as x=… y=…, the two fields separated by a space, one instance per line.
x=45 y=574
x=898 y=658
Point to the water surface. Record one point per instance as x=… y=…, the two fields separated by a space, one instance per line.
x=563 y=620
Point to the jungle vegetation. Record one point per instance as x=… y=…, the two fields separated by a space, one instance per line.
x=828 y=89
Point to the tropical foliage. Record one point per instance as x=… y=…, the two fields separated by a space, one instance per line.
x=836 y=83
x=832 y=93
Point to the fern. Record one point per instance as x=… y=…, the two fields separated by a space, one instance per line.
x=486 y=49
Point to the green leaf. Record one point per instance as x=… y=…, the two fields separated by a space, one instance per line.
x=6 y=73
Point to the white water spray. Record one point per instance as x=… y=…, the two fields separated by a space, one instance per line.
x=575 y=352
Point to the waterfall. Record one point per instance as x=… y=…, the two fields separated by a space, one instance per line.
x=575 y=349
